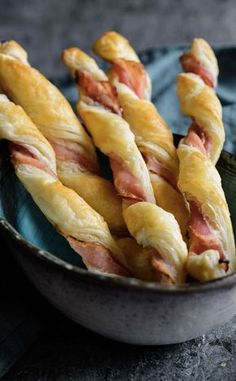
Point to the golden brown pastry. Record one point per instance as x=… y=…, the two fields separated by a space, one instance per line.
x=201 y=60
x=211 y=243
x=115 y=45
x=35 y=165
x=152 y=227
x=76 y=159
x=152 y=135
x=158 y=230
x=200 y=102
x=211 y=240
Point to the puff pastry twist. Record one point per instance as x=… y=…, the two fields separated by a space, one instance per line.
x=35 y=165
x=77 y=165
x=153 y=137
x=151 y=226
x=199 y=101
x=211 y=240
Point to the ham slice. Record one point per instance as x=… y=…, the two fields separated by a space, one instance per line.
x=72 y=152
x=162 y=271
x=158 y=168
x=22 y=155
x=132 y=74
x=192 y=65
x=125 y=183
x=202 y=235
x=101 y=92
x=97 y=257
x=104 y=93
x=198 y=138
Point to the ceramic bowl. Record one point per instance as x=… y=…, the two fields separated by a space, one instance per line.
x=127 y=310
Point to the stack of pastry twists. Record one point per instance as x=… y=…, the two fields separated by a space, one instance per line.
x=211 y=241
x=55 y=159
x=35 y=165
x=100 y=111
x=77 y=165
x=153 y=137
x=150 y=225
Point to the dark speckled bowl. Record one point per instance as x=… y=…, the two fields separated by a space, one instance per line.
x=127 y=310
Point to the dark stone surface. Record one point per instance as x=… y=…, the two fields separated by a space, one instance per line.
x=68 y=352
x=46 y=27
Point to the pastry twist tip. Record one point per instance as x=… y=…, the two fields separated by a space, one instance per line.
x=112 y=44
x=12 y=49
x=201 y=60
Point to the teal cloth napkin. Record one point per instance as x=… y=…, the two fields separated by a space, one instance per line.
x=20 y=320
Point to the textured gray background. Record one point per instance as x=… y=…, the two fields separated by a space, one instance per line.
x=46 y=27
x=69 y=352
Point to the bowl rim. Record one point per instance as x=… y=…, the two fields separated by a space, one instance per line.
x=131 y=284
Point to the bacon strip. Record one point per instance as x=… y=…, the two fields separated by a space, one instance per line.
x=125 y=183
x=21 y=154
x=198 y=138
x=162 y=271
x=192 y=65
x=68 y=151
x=97 y=257
x=202 y=236
x=132 y=74
x=99 y=91
x=104 y=93
x=158 y=168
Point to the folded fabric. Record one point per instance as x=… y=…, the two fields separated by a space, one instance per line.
x=20 y=320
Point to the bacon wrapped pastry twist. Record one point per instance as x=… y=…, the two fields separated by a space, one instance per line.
x=35 y=165
x=201 y=60
x=152 y=135
x=77 y=165
x=150 y=225
x=211 y=240
x=198 y=100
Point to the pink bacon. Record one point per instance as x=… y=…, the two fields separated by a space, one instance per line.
x=23 y=155
x=198 y=138
x=133 y=75
x=202 y=235
x=126 y=184
x=104 y=94
x=98 y=257
x=71 y=152
x=192 y=65
x=95 y=255
x=162 y=271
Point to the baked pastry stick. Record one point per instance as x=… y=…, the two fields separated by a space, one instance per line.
x=211 y=240
x=153 y=137
x=35 y=165
x=199 y=101
x=201 y=60
x=151 y=226
x=77 y=165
